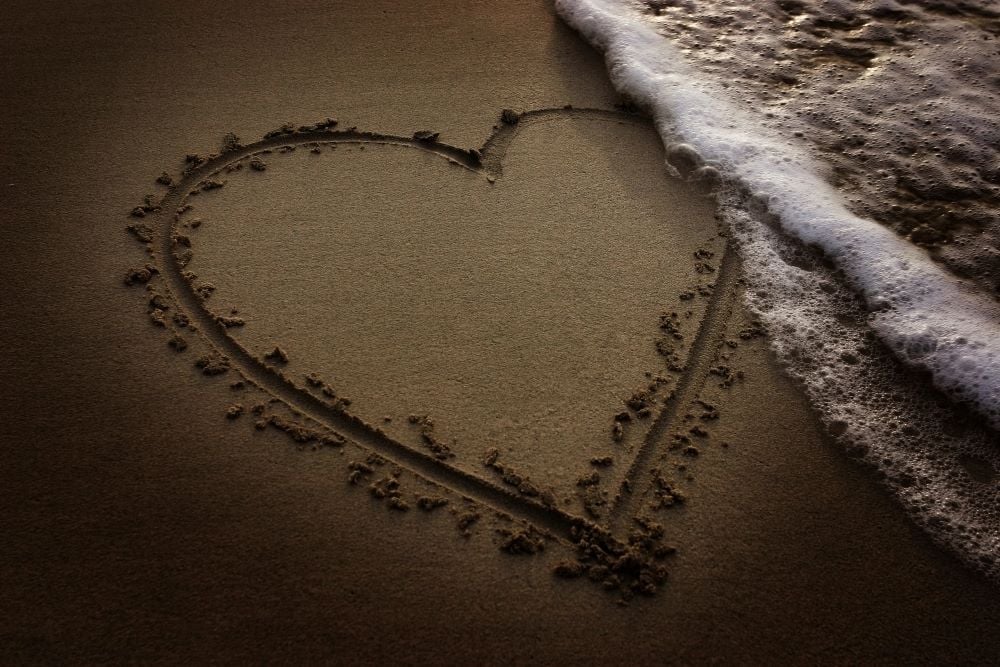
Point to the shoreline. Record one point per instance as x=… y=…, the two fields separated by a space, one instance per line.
x=145 y=525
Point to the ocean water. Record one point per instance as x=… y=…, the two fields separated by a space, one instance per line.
x=856 y=147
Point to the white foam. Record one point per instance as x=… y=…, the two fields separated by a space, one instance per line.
x=921 y=445
x=940 y=464
x=925 y=314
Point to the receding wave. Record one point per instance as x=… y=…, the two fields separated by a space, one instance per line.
x=823 y=193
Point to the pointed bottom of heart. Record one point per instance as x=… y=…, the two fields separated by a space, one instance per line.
x=507 y=315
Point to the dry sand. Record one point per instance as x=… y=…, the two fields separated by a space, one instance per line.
x=517 y=309
x=517 y=302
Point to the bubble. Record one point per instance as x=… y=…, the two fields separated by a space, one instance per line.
x=683 y=157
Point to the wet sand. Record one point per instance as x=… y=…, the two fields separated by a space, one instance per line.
x=144 y=525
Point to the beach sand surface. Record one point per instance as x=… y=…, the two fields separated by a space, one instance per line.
x=142 y=525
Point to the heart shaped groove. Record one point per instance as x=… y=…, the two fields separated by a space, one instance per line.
x=633 y=481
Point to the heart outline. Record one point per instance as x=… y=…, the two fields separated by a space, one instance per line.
x=269 y=379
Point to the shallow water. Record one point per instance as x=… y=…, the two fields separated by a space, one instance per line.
x=900 y=100
x=869 y=131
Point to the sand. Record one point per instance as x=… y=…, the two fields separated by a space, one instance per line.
x=225 y=467
x=514 y=307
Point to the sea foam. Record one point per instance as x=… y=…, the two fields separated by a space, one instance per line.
x=930 y=318
x=925 y=314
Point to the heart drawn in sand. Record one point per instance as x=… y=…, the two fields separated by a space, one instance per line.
x=504 y=325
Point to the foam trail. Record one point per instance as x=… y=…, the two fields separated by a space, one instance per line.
x=926 y=315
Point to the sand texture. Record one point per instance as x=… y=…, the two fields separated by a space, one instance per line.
x=365 y=333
